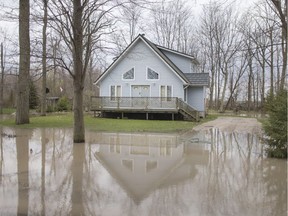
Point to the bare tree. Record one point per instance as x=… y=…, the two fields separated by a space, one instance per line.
x=207 y=40
x=128 y=26
x=44 y=57
x=22 y=107
x=219 y=37
x=81 y=27
x=280 y=9
x=2 y=80
x=264 y=42
x=171 y=23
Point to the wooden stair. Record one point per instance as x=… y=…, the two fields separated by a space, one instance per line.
x=188 y=112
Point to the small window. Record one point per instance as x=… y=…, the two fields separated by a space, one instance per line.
x=115 y=91
x=129 y=75
x=166 y=92
x=151 y=74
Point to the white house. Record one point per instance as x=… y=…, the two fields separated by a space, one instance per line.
x=142 y=163
x=152 y=80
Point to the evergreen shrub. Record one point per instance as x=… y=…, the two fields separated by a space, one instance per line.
x=276 y=126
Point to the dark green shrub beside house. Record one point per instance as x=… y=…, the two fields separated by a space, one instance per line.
x=276 y=127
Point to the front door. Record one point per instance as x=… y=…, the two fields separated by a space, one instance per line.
x=140 y=91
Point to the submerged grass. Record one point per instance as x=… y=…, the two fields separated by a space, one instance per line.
x=104 y=124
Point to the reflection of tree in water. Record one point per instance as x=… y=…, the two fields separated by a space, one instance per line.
x=234 y=180
x=276 y=187
x=77 y=176
x=51 y=181
x=234 y=177
x=1 y=154
x=59 y=179
x=170 y=201
x=22 y=146
x=95 y=197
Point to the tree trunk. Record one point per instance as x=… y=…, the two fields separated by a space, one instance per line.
x=271 y=65
x=44 y=69
x=284 y=53
x=2 y=81
x=54 y=48
x=263 y=85
x=22 y=102
x=79 y=75
x=249 y=89
x=281 y=11
x=79 y=129
x=224 y=91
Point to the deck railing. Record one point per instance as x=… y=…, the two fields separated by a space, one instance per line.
x=143 y=103
x=146 y=104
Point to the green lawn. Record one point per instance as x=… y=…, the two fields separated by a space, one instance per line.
x=8 y=110
x=104 y=124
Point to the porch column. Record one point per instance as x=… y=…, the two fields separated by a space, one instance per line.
x=147 y=116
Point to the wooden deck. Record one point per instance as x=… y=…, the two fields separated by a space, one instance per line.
x=171 y=105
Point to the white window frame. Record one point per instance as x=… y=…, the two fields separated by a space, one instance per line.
x=147 y=68
x=117 y=88
x=166 y=92
x=134 y=74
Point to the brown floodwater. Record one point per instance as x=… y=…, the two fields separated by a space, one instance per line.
x=205 y=173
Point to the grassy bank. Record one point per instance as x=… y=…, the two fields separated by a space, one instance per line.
x=103 y=124
x=8 y=110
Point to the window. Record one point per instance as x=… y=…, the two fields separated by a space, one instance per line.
x=129 y=75
x=115 y=91
x=166 y=92
x=129 y=164
x=151 y=165
x=151 y=74
x=165 y=148
x=114 y=145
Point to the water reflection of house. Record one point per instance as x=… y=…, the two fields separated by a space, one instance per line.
x=141 y=163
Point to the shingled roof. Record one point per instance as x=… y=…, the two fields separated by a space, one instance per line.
x=193 y=79
x=198 y=79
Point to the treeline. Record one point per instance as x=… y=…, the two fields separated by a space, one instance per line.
x=245 y=52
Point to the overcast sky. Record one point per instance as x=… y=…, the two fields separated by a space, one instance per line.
x=196 y=5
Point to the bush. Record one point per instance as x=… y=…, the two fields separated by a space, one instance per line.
x=49 y=109
x=63 y=104
x=33 y=96
x=276 y=126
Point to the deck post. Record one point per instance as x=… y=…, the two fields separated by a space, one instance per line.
x=147 y=116
x=172 y=116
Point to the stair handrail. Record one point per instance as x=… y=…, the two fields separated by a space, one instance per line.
x=188 y=109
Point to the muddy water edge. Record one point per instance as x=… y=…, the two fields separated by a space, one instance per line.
x=206 y=172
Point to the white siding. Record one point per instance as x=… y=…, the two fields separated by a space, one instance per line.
x=196 y=98
x=183 y=63
x=141 y=57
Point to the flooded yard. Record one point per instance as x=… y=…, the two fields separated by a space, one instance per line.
x=208 y=171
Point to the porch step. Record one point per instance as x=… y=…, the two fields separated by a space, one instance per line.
x=188 y=112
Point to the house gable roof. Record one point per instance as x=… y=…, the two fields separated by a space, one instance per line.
x=157 y=50
x=178 y=53
x=167 y=60
x=198 y=79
